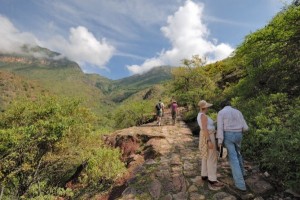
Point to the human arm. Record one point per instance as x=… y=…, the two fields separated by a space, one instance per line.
x=220 y=128
x=205 y=131
x=245 y=126
x=204 y=126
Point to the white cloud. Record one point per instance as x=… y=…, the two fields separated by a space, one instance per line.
x=83 y=47
x=148 y=64
x=188 y=36
x=12 y=39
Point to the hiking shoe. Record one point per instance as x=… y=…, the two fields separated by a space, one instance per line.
x=204 y=178
x=241 y=191
x=215 y=185
x=242 y=194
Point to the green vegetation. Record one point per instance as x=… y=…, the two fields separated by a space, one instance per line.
x=273 y=84
x=191 y=82
x=262 y=79
x=134 y=113
x=44 y=142
x=127 y=87
x=13 y=86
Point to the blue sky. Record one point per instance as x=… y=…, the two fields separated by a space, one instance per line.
x=118 y=38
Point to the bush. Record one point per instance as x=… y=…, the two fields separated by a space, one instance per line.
x=104 y=165
x=134 y=113
x=274 y=137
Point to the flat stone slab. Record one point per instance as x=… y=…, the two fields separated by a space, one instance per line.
x=259 y=186
x=223 y=196
x=198 y=181
x=155 y=189
x=196 y=196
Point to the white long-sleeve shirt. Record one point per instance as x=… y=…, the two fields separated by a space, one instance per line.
x=231 y=120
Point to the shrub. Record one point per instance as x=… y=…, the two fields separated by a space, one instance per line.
x=274 y=137
x=134 y=113
x=105 y=164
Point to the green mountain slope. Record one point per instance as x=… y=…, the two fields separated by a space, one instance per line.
x=126 y=87
x=60 y=76
x=63 y=77
x=154 y=76
x=13 y=86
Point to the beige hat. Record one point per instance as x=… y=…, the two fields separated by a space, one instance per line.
x=204 y=104
x=224 y=154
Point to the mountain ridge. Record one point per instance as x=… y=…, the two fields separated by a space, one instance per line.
x=64 y=77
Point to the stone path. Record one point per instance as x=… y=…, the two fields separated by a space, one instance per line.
x=174 y=171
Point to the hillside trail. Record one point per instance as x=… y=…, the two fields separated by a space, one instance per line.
x=164 y=164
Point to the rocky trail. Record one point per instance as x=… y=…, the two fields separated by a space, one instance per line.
x=163 y=163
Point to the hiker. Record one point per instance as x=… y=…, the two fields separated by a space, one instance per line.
x=174 y=111
x=159 y=111
x=208 y=148
x=231 y=124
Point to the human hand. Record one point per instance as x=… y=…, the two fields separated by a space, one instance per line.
x=210 y=145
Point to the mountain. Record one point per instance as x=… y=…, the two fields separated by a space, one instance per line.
x=59 y=76
x=126 y=87
x=63 y=77
x=154 y=76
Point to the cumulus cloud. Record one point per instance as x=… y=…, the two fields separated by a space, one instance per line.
x=83 y=47
x=12 y=39
x=188 y=36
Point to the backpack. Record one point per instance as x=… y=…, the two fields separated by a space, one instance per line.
x=158 y=106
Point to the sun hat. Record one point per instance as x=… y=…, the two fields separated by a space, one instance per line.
x=204 y=104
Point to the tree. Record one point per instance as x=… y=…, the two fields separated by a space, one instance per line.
x=191 y=82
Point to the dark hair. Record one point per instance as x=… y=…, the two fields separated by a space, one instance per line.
x=226 y=102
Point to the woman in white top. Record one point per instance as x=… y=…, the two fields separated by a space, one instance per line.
x=207 y=146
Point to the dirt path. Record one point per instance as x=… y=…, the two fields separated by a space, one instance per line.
x=171 y=169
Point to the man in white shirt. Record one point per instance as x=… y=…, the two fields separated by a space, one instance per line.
x=231 y=125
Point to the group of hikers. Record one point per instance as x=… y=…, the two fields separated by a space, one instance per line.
x=160 y=108
x=230 y=127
